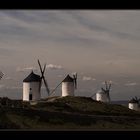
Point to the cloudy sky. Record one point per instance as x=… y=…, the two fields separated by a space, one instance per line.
x=97 y=44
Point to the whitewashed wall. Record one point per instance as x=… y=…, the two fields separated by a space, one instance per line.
x=102 y=97
x=35 y=90
x=133 y=106
x=67 y=89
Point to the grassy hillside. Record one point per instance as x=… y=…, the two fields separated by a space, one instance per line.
x=84 y=105
x=66 y=113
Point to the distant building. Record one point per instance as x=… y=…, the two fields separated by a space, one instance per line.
x=102 y=96
x=134 y=104
x=31 y=87
x=68 y=86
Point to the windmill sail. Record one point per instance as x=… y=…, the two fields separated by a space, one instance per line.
x=109 y=86
x=1 y=74
x=56 y=88
x=46 y=85
x=103 y=90
x=75 y=80
x=106 y=85
x=42 y=77
x=45 y=82
x=106 y=90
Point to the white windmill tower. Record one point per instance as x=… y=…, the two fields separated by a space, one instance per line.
x=32 y=85
x=103 y=95
x=134 y=104
x=69 y=85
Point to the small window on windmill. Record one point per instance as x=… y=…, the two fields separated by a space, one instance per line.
x=30 y=94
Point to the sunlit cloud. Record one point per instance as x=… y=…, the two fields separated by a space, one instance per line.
x=54 y=67
x=131 y=84
x=88 y=78
x=8 y=78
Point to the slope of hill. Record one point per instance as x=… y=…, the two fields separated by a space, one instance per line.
x=120 y=102
x=66 y=113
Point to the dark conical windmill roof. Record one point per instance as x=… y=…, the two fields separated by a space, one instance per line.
x=32 y=78
x=133 y=101
x=68 y=79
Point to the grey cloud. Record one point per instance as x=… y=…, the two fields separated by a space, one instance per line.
x=58 y=18
x=36 y=25
x=94 y=26
x=53 y=31
x=36 y=16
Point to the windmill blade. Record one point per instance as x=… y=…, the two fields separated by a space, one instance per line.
x=75 y=75
x=44 y=69
x=75 y=80
x=106 y=85
x=42 y=72
x=40 y=66
x=56 y=88
x=45 y=81
x=103 y=90
x=108 y=97
x=46 y=85
x=109 y=87
x=42 y=77
x=40 y=84
x=75 y=83
x=1 y=75
x=136 y=98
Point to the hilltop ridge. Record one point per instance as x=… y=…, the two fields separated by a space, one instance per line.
x=66 y=113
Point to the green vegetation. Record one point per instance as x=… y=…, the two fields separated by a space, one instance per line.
x=66 y=113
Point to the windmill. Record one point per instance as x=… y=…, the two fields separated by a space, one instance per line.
x=134 y=104
x=43 y=78
x=69 y=84
x=107 y=89
x=103 y=95
x=32 y=85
